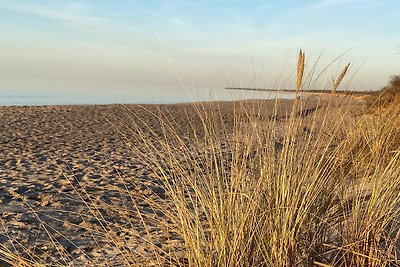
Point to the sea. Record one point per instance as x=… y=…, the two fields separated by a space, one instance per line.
x=77 y=94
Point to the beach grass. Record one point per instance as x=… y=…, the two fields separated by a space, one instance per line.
x=307 y=187
x=323 y=191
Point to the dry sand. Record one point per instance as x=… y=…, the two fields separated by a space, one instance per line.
x=55 y=158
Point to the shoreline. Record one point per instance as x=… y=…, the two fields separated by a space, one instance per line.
x=311 y=95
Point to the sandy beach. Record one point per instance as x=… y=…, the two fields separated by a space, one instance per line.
x=59 y=163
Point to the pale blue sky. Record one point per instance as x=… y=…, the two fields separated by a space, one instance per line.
x=210 y=43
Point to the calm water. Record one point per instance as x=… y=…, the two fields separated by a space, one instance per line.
x=67 y=93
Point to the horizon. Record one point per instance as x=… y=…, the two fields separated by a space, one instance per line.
x=101 y=47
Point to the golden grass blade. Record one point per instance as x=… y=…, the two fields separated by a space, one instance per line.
x=300 y=72
x=340 y=78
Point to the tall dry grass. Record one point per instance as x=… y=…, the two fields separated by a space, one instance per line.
x=339 y=79
x=317 y=185
x=389 y=95
x=315 y=190
x=300 y=71
x=319 y=189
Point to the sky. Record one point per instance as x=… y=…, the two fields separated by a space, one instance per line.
x=133 y=45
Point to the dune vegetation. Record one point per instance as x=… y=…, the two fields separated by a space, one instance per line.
x=388 y=95
x=316 y=188
x=309 y=186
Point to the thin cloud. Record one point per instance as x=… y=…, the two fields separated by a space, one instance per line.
x=334 y=3
x=70 y=15
x=266 y=6
x=178 y=22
